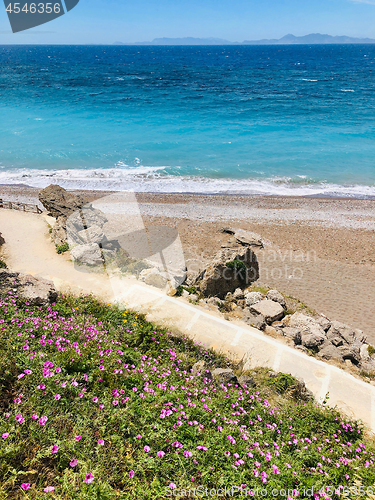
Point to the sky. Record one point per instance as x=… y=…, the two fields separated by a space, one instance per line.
x=108 y=21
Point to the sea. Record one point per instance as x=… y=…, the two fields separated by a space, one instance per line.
x=252 y=120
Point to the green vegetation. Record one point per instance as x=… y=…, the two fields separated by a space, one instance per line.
x=3 y=264
x=62 y=248
x=190 y=289
x=371 y=350
x=97 y=403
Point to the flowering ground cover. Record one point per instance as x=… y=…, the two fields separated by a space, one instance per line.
x=96 y=402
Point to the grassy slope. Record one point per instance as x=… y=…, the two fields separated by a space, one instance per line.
x=122 y=385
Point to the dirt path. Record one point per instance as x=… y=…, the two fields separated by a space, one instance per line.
x=28 y=249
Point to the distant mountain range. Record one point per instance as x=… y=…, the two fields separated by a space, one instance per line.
x=312 y=39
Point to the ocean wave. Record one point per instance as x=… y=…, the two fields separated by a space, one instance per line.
x=156 y=180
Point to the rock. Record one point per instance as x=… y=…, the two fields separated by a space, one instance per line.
x=93 y=234
x=254 y=320
x=368 y=366
x=301 y=348
x=85 y=218
x=198 y=368
x=363 y=351
x=253 y=297
x=241 y=303
x=59 y=235
x=248 y=238
x=360 y=336
x=2 y=241
x=153 y=277
x=337 y=341
x=270 y=330
x=350 y=352
x=215 y=301
x=312 y=340
x=246 y=381
x=37 y=291
x=89 y=255
x=276 y=297
x=225 y=376
x=229 y=297
x=306 y=325
x=292 y=333
x=324 y=322
x=338 y=329
x=193 y=297
x=330 y=352
x=229 y=270
x=227 y=230
x=238 y=294
x=60 y=202
x=271 y=311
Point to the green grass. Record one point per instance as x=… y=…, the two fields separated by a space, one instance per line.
x=62 y=248
x=103 y=373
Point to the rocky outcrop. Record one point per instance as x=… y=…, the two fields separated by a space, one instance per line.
x=2 y=241
x=224 y=376
x=88 y=255
x=59 y=202
x=37 y=291
x=230 y=269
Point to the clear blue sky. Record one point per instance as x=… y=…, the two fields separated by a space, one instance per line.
x=107 y=21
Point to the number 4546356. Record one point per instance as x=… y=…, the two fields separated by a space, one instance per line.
x=33 y=8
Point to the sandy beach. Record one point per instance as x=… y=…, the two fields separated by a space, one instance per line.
x=319 y=250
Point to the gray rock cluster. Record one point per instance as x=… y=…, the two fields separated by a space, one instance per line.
x=328 y=340
x=37 y=291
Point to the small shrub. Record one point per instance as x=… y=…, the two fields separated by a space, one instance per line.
x=62 y=248
x=3 y=265
x=371 y=350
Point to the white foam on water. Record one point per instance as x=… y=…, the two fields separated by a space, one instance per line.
x=155 y=180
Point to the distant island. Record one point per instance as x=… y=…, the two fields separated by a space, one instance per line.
x=312 y=39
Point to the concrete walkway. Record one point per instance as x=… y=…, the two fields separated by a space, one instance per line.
x=28 y=249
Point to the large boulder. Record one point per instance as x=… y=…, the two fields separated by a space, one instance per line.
x=270 y=310
x=37 y=291
x=89 y=255
x=252 y=298
x=230 y=269
x=224 y=376
x=59 y=202
x=59 y=235
x=340 y=330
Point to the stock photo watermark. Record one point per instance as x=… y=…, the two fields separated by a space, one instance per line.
x=24 y=15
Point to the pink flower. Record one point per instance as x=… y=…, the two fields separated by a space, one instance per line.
x=19 y=418
x=25 y=486
x=275 y=470
x=43 y=420
x=21 y=375
x=55 y=448
x=131 y=474
x=172 y=486
x=28 y=372
x=188 y=454
x=89 y=478
x=49 y=489
x=115 y=402
x=34 y=416
x=78 y=438
x=95 y=399
x=101 y=442
x=160 y=454
x=5 y=435
x=147 y=449
x=73 y=463
x=17 y=401
x=139 y=436
x=57 y=396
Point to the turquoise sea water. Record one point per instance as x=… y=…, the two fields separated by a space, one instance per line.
x=231 y=119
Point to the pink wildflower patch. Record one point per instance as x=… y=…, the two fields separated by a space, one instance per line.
x=73 y=463
x=25 y=486
x=89 y=478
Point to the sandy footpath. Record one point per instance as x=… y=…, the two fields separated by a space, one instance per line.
x=321 y=251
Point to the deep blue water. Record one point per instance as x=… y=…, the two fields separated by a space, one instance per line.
x=255 y=119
